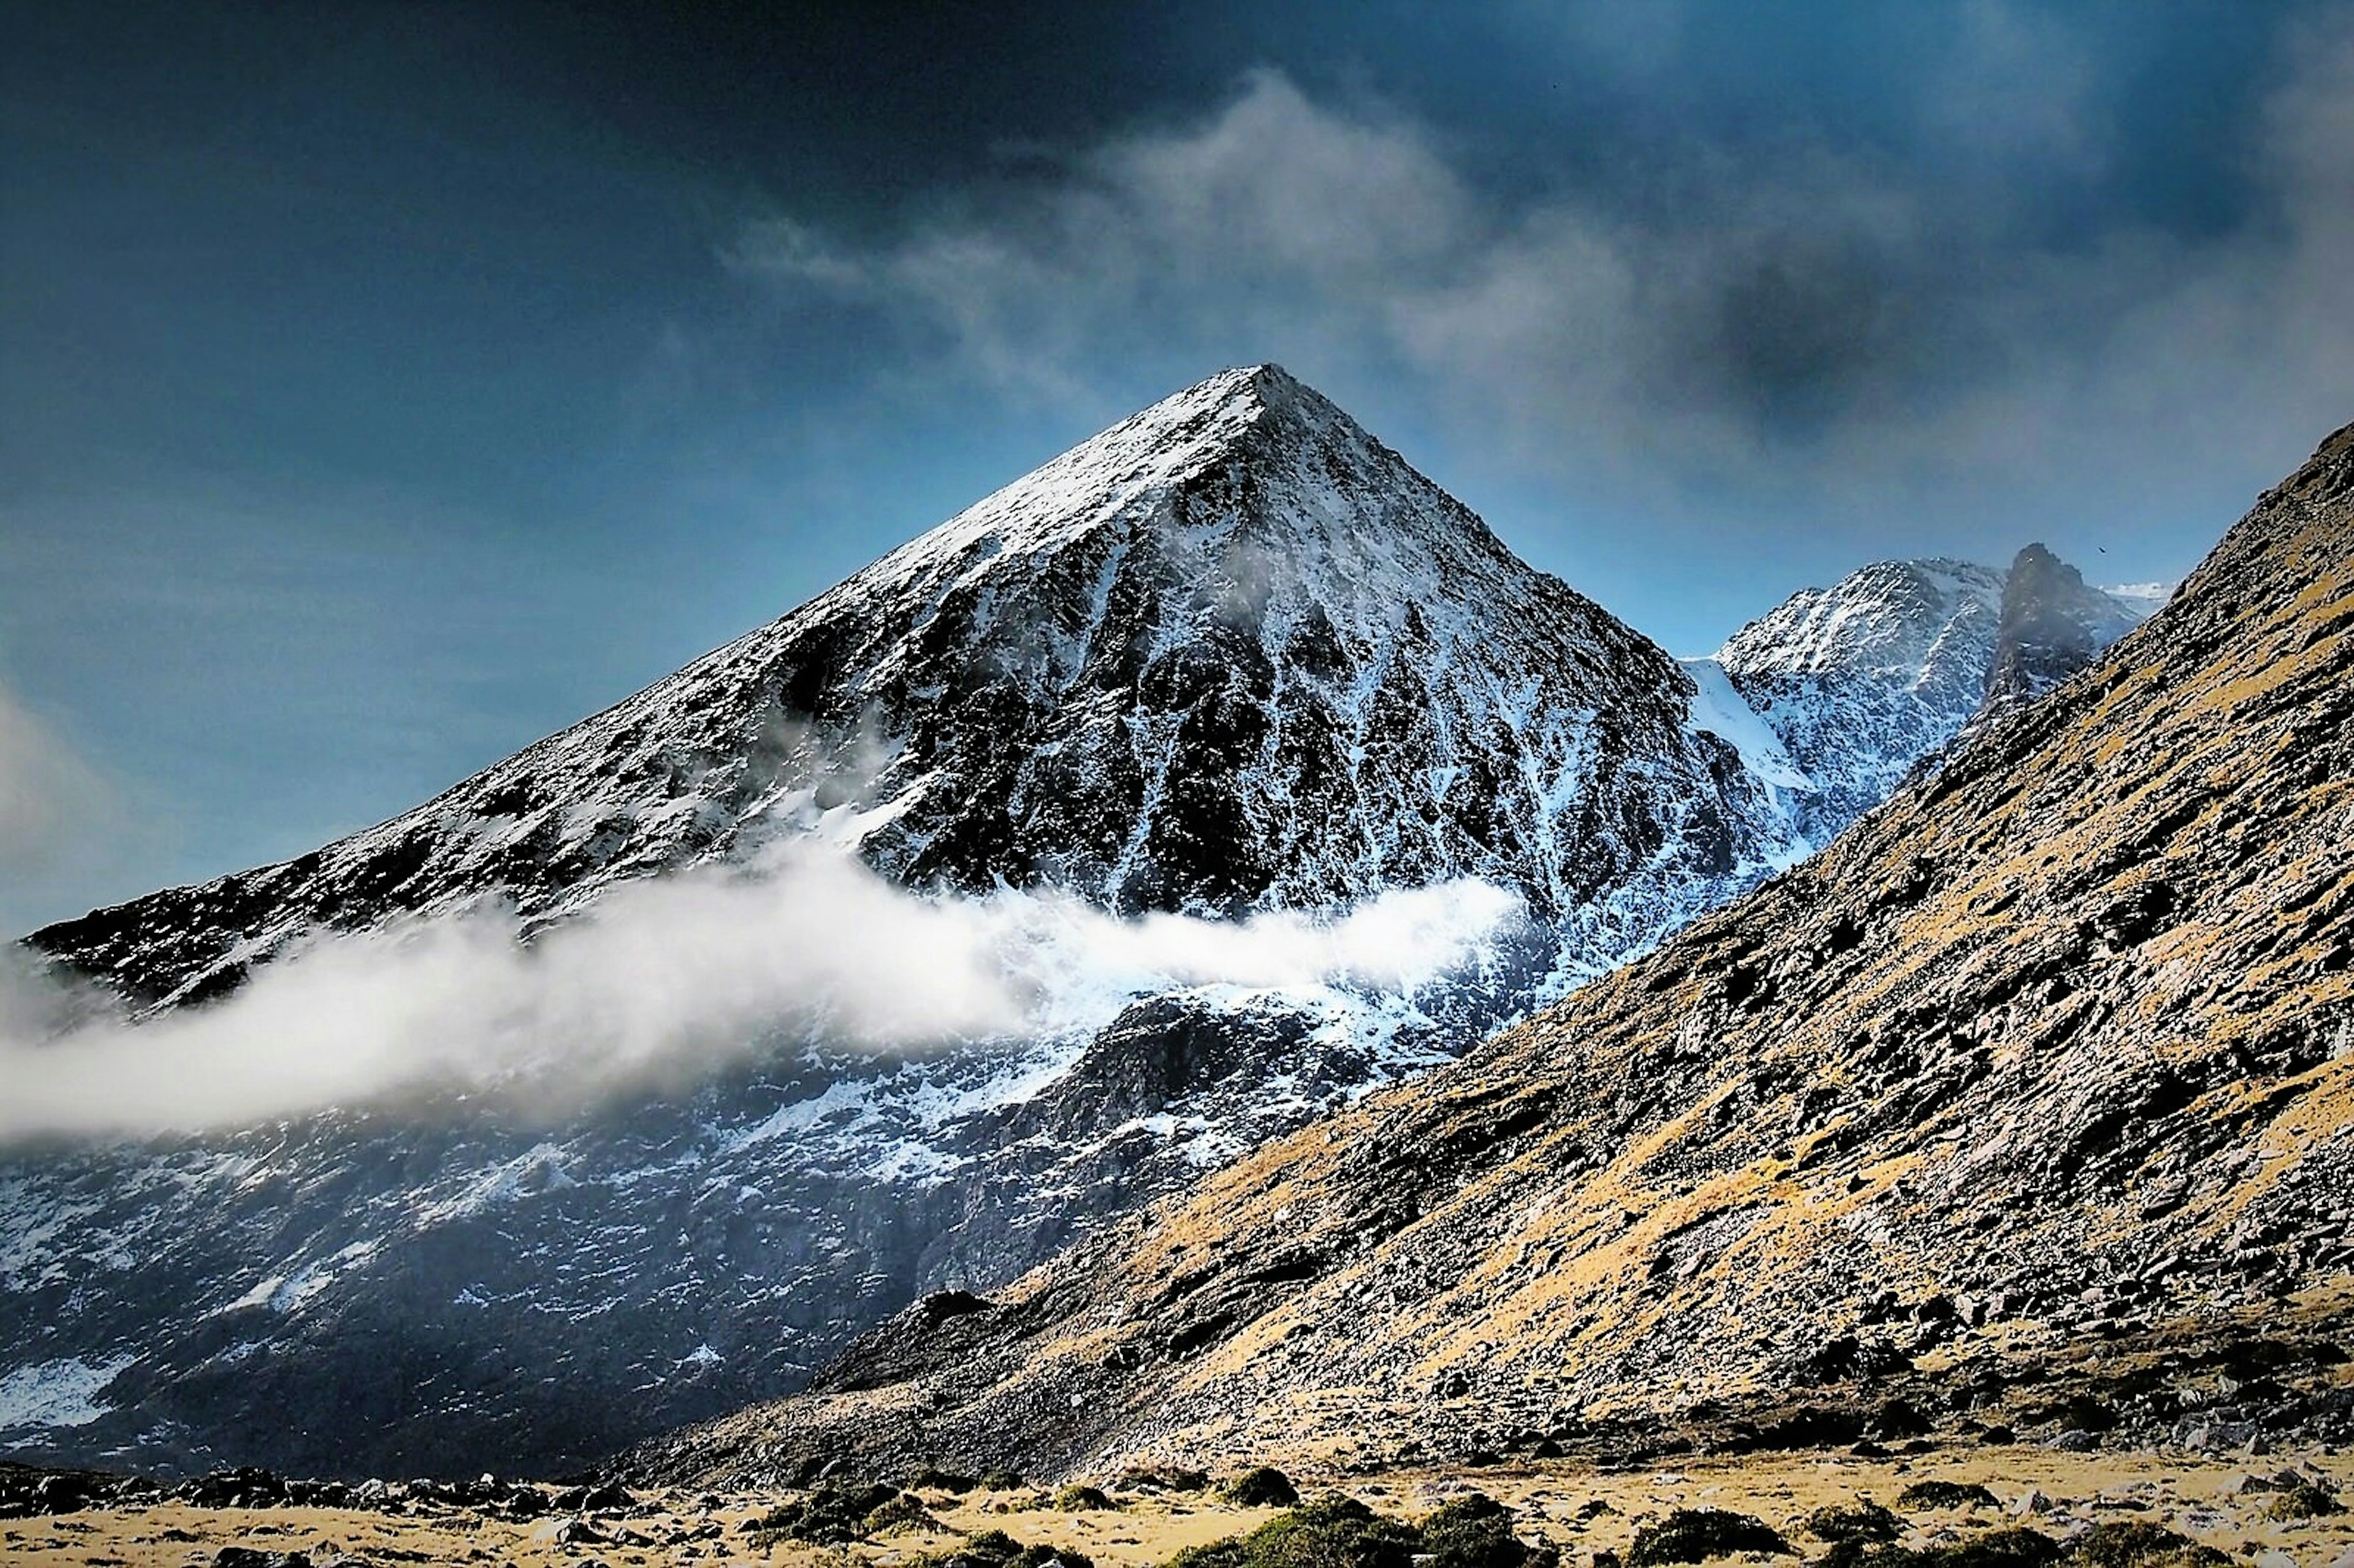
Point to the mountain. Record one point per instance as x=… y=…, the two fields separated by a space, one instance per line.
x=2021 y=1109
x=1836 y=694
x=1231 y=654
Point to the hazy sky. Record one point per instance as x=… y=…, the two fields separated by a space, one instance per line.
x=381 y=388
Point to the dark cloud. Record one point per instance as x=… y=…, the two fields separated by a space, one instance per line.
x=1773 y=310
x=1797 y=330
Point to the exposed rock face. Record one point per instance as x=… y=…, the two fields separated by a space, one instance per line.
x=2053 y=625
x=2058 y=1045
x=1232 y=653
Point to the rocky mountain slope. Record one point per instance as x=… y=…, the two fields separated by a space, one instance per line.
x=1232 y=653
x=2049 y=1061
x=1852 y=686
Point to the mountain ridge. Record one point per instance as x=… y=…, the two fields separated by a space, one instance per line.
x=1858 y=684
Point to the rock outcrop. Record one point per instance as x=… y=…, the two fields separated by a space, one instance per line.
x=2052 y=626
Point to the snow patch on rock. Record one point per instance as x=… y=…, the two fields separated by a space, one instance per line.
x=46 y=1396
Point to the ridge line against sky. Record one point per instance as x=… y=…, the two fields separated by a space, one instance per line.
x=383 y=388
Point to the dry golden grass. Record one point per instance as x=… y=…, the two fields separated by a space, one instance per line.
x=1555 y=1502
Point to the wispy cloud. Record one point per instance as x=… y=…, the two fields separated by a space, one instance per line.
x=48 y=792
x=665 y=980
x=61 y=817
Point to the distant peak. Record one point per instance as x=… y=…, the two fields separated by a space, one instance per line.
x=1941 y=572
x=1947 y=566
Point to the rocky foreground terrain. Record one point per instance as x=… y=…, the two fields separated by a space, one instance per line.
x=2045 y=1063
x=2022 y=1509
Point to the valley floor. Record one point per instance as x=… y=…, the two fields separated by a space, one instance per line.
x=2231 y=1505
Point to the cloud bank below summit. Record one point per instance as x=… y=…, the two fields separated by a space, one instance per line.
x=662 y=982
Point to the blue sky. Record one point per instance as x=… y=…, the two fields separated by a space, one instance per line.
x=384 y=386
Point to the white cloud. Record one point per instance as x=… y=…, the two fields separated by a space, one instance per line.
x=663 y=980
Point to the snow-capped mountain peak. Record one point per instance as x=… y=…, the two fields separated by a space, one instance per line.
x=1856 y=682
x=1231 y=653
x=1907 y=617
x=1096 y=481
